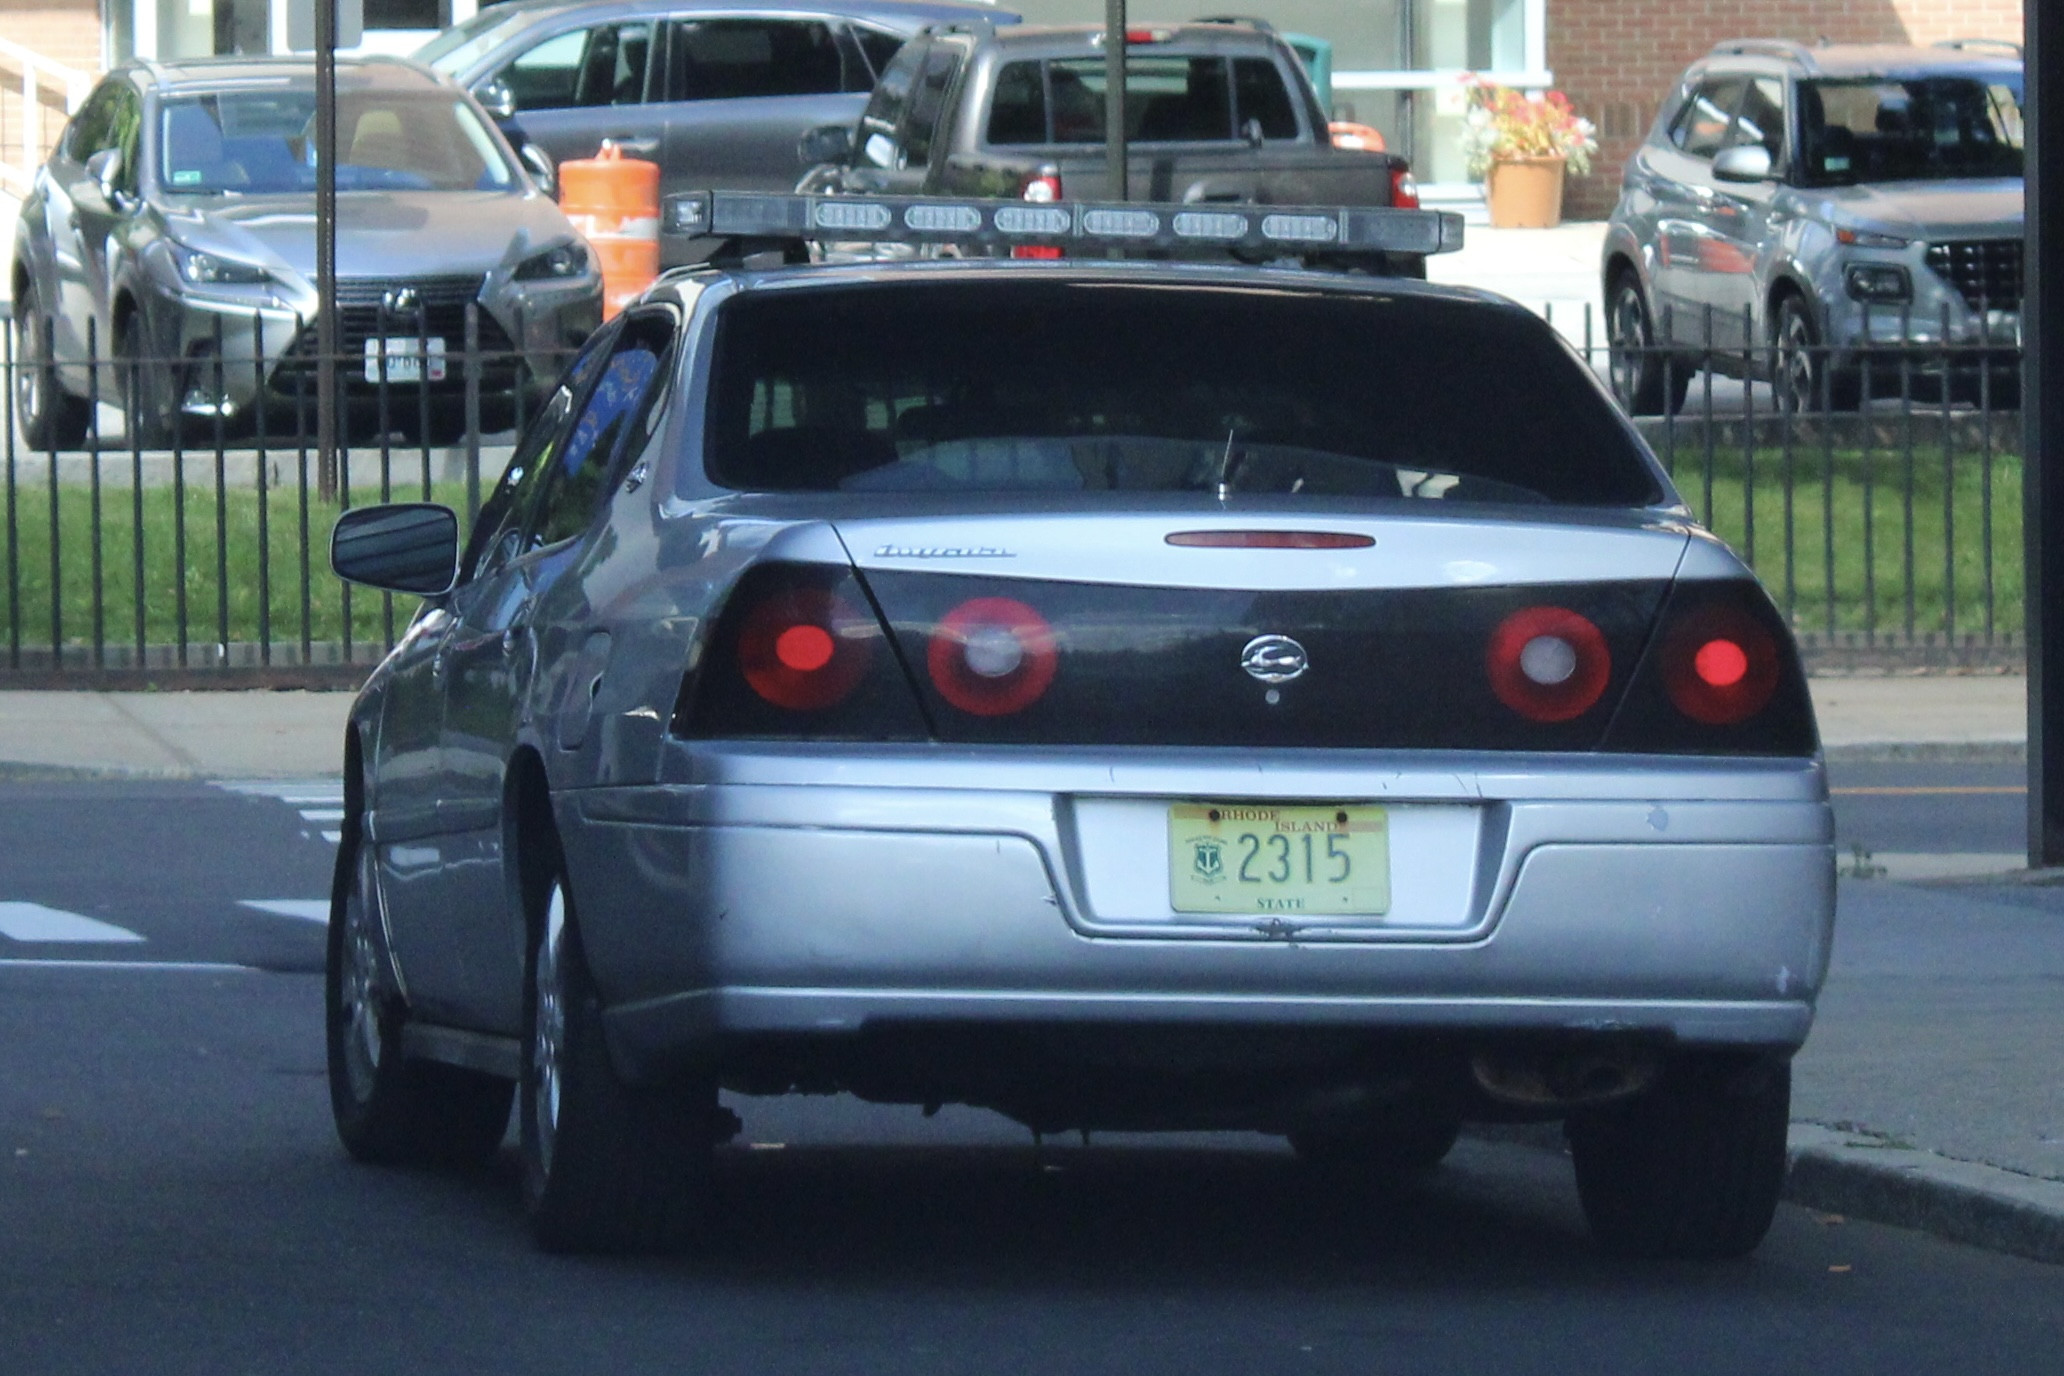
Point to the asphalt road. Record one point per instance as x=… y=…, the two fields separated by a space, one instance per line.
x=172 y=1200
x=1930 y=808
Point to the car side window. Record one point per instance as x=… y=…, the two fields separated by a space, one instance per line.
x=125 y=129
x=884 y=112
x=730 y=59
x=927 y=99
x=1761 y=119
x=605 y=65
x=92 y=129
x=880 y=46
x=614 y=414
x=1700 y=128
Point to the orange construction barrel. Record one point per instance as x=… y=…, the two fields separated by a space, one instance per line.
x=613 y=202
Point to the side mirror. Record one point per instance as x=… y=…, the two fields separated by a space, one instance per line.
x=541 y=167
x=105 y=168
x=1745 y=162
x=826 y=143
x=496 y=98
x=398 y=547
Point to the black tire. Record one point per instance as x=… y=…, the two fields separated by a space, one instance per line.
x=1800 y=378
x=389 y=1109
x=49 y=416
x=1645 y=379
x=1693 y=1168
x=1410 y=1144
x=140 y=383
x=607 y=1167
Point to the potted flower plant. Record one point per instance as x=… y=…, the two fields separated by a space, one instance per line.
x=1522 y=146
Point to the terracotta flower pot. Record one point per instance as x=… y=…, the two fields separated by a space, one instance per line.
x=1525 y=193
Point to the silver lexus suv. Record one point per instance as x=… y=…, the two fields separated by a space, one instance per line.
x=1841 y=221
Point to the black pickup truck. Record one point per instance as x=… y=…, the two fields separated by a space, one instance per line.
x=1215 y=112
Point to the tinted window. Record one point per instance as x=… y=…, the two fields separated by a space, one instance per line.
x=1167 y=99
x=927 y=98
x=1761 y=120
x=92 y=129
x=1017 y=107
x=725 y=59
x=584 y=468
x=1260 y=95
x=599 y=66
x=1700 y=128
x=498 y=530
x=260 y=141
x=1112 y=387
x=880 y=46
x=1921 y=129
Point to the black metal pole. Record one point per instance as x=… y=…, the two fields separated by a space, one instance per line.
x=1114 y=99
x=2042 y=424
x=327 y=362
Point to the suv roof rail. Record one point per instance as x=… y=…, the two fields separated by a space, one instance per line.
x=1768 y=47
x=975 y=24
x=2004 y=45
x=1247 y=19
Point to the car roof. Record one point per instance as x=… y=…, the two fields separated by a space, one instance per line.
x=372 y=72
x=1872 y=59
x=1162 y=275
x=1071 y=38
x=916 y=12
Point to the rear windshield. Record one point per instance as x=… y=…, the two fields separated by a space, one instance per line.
x=1167 y=100
x=1105 y=386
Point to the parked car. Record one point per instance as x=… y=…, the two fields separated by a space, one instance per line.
x=172 y=231
x=1218 y=111
x=1828 y=219
x=1070 y=688
x=716 y=92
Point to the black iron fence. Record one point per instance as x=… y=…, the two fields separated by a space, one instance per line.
x=195 y=551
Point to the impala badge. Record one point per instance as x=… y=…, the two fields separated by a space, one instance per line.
x=1274 y=658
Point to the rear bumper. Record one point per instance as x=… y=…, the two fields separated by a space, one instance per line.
x=777 y=892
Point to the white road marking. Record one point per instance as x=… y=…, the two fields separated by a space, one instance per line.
x=322 y=814
x=317 y=800
x=34 y=922
x=307 y=909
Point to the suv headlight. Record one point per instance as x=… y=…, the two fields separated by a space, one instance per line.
x=567 y=260
x=1880 y=284
x=212 y=270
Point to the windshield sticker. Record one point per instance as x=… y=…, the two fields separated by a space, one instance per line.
x=186 y=177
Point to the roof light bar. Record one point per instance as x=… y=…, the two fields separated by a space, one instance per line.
x=1069 y=224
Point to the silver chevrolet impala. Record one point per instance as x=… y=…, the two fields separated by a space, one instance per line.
x=1122 y=695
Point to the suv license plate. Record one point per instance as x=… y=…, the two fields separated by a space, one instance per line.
x=1332 y=858
x=405 y=358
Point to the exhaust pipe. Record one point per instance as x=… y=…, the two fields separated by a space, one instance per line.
x=1563 y=1077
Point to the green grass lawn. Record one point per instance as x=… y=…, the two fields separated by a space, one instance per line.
x=233 y=580
x=1862 y=498
x=1964 y=529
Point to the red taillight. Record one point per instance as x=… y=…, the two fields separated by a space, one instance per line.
x=805 y=649
x=1148 y=35
x=1404 y=189
x=1548 y=663
x=1720 y=666
x=992 y=656
x=1042 y=188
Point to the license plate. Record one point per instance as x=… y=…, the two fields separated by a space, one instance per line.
x=1263 y=858
x=405 y=358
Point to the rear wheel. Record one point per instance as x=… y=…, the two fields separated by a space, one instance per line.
x=388 y=1108
x=1647 y=380
x=49 y=416
x=607 y=1166
x=1691 y=1169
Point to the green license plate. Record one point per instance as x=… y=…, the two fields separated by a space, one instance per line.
x=1264 y=858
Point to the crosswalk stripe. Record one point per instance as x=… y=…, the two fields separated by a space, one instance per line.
x=199 y=966
x=307 y=909
x=34 y=922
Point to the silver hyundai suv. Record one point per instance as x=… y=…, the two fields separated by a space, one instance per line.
x=1841 y=221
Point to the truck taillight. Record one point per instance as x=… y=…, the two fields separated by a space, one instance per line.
x=1404 y=189
x=1042 y=187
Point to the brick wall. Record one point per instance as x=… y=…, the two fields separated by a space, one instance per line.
x=66 y=31
x=1616 y=59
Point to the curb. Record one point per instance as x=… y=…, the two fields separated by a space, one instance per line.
x=1874 y=1178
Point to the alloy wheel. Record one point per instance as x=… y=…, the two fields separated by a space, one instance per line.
x=358 y=993
x=1793 y=382
x=548 y=1031
x=1628 y=341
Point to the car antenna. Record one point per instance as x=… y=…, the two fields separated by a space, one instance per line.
x=1226 y=468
